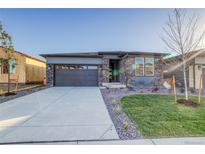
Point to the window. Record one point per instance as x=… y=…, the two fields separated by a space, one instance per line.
x=144 y=66
x=83 y=67
x=12 y=66
x=92 y=67
x=149 y=66
x=4 y=66
x=139 y=66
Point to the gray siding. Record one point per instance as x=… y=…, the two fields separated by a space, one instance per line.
x=200 y=60
x=111 y=56
x=73 y=60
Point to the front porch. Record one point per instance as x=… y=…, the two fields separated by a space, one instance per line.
x=112 y=85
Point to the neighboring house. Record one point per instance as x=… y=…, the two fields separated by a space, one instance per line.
x=25 y=68
x=195 y=68
x=95 y=68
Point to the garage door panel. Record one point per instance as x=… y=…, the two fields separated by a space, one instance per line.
x=76 y=77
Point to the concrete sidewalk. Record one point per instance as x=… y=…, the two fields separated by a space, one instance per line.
x=162 y=141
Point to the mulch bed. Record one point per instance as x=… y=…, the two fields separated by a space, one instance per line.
x=187 y=102
x=4 y=98
x=4 y=87
x=10 y=93
x=124 y=126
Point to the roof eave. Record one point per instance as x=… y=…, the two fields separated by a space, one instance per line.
x=56 y=55
x=101 y=53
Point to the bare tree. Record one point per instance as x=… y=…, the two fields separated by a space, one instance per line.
x=182 y=36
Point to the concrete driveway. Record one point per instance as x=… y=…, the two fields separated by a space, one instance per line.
x=56 y=114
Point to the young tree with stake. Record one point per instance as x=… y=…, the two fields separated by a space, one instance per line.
x=182 y=36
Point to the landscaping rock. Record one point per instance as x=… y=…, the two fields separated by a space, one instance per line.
x=120 y=118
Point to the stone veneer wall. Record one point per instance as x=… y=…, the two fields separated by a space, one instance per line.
x=103 y=71
x=127 y=74
x=159 y=71
x=49 y=74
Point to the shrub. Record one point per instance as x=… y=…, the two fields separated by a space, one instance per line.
x=155 y=89
x=182 y=90
x=118 y=110
x=113 y=102
x=192 y=90
x=125 y=125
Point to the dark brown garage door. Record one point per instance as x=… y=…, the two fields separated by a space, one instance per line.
x=76 y=75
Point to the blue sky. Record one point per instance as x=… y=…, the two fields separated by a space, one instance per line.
x=38 y=31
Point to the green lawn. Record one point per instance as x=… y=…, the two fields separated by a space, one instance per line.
x=158 y=116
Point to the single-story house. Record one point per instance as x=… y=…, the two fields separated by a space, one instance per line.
x=95 y=68
x=195 y=68
x=25 y=68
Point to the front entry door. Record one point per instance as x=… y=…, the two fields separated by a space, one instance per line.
x=114 y=71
